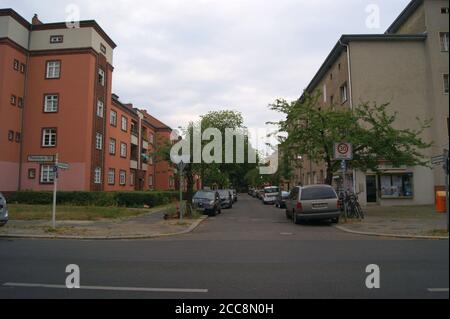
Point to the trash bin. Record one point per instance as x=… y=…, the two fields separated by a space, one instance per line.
x=441 y=201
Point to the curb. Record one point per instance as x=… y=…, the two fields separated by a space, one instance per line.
x=190 y=229
x=391 y=235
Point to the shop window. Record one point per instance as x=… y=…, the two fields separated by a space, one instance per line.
x=397 y=185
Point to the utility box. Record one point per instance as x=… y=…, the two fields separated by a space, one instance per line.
x=441 y=202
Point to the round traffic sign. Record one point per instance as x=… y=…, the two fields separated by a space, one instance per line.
x=343 y=148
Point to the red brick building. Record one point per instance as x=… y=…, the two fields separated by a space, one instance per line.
x=55 y=97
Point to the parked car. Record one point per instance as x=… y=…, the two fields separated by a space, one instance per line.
x=270 y=194
x=280 y=201
x=226 y=198
x=314 y=202
x=235 y=197
x=208 y=202
x=3 y=211
x=259 y=193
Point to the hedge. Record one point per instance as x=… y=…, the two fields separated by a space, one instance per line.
x=126 y=199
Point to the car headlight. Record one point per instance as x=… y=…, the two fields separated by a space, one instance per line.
x=211 y=202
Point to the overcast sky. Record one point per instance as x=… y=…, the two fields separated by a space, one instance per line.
x=182 y=58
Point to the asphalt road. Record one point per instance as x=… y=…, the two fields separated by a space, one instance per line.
x=249 y=251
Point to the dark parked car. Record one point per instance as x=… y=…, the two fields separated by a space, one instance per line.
x=208 y=202
x=280 y=201
x=314 y=202
x=3 y=210
x=226 y=198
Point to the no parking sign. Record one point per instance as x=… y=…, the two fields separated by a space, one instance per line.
x=343 y=151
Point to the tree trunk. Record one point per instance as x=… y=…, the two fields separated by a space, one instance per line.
x=189 y=190
x=329 y=178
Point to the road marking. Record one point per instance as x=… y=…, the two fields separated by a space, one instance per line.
x=286 y=234
x=135 y=289
x=438 y=289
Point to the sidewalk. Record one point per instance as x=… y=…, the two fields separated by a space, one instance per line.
x=406 y=222
x=142 y=226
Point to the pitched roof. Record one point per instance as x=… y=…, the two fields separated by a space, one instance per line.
x=404 y=15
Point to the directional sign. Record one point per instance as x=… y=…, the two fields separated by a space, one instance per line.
x=41 y=158
x=343 y=151
x=63 y=165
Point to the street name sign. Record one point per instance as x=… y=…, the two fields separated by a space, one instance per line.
x=436 y=160
x=41 y=158
x=63 y=165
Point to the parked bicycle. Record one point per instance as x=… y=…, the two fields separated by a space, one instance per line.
x=350 y=206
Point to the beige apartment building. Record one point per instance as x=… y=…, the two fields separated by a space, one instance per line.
x=408 y=68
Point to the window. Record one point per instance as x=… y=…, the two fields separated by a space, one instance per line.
x=22 y=68
x=99 y=141
x=123 y=150
x=101 y=77
x=131 y=178
x=31 y=173
x=100 y=108
x=124 y=123
x=16 y=64
x=49 y=137
x=344 y=94
x=152 y=138
x=18 y=137
x=20 y=102
x=324 y=93
x=444 y=41
x=51 y=103
x=102 y=48
x=396 y=185
x=47 y=174
x=53 y=69
x=122 y=177
x=331 y=76
x=150 y=160
x=339 y=66
x=113 y=118
x=332 y=99
x=56 y=39
x=10 y=136
x=445 y=83
x=112 y=146
x=13 y=99
x=111 y=176
x=97 y=175
x=444 y=10
x=150 y=180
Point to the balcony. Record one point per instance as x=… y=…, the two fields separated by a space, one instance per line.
x=134 y=139
x=133 y=164
x=144 y=167
x=144 y=144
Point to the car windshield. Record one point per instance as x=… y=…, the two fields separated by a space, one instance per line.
x=204 y=195
x=285 y=194
x=312 y=193
x=224 y=193
x=271 y=190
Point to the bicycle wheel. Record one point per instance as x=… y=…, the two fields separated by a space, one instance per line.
x=360 y=211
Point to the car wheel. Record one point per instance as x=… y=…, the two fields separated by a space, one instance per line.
x=335 y=220
x=294 y=218
x=287 y=215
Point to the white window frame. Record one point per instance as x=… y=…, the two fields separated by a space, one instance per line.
x=113 y=118
x=101 y=76
x=111 y=176
x=99 y=141
x=51 y=103
x=49 y=137
x=344 y=93
x=100 y=108
x=132 y=178
x=324 y=93
x=123 y=149
x=47 y=175
x=53 y=69
x=443 y=41
x=122 y=177
x=124 y=123
x=112 y=146
x=150 y=180
x=97 y=175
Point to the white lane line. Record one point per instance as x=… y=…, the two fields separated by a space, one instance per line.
x=134 y=289
x=438 y=289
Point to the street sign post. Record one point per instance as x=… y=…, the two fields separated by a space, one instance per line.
x=55 y=186
x=343 y=151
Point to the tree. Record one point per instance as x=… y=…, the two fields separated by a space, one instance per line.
x=312 y=131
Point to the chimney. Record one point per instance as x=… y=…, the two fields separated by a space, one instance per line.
x=35 y=20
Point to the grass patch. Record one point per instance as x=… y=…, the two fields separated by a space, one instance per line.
x=437 y=232
x=64 y=212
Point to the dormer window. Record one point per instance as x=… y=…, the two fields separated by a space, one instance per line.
x=56 y=39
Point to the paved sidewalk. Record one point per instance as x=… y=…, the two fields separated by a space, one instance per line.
x=409 y=222
x=142 y=226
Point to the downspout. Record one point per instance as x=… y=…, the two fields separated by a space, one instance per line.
x=350 y=89
x=22 y=118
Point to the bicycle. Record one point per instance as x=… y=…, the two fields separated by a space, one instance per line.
x=350 y=205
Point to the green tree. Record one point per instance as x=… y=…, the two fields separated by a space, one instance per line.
x=312 y=131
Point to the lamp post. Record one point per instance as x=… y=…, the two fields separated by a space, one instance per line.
x=181 y=166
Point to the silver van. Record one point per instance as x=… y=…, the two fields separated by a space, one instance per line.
x=3 y=210
x=314 y=202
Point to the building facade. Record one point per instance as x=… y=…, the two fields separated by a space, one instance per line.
x=406 y=67
x=56 y=98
